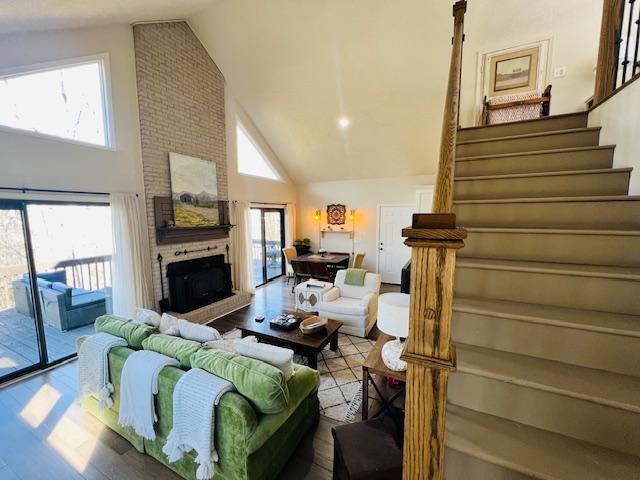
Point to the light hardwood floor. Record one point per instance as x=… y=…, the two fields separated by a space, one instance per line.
x=44 y=434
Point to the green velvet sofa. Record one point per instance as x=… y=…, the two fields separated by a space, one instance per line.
x=250 y=445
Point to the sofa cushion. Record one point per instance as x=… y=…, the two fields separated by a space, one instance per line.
x=133 y=333
x=346 y=306
x=169 y=324
x=263 y=385
x=281 y=358
x=61 y=287
x=302 y=384
x=87 y=298
x=175 y=347
x=148 y=317
x=197 y=332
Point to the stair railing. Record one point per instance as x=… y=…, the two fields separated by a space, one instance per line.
x=619 y=50
x=434 y=240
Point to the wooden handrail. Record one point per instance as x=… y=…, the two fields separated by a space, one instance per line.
x=443 y=196
x=609 y=49
x=434 y=240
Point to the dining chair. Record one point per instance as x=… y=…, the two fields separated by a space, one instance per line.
x=300 y=271
x=358 y=259
x=320 y=270
x=289 y=253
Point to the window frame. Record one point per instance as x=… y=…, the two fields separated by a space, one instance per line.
x=245 y=130
x=102 y=60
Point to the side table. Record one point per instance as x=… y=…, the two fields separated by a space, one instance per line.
x=373 y=364
x=307 y=298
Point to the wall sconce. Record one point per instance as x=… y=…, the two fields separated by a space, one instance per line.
x=352 y=215
x=316 y=215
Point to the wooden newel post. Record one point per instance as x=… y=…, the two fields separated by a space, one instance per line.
x=430 y=357
x=434 y=240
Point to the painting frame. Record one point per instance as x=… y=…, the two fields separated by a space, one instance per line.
x=336 y=214
x=194 y=191
x=514 y=72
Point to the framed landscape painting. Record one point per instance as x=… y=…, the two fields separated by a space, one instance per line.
x=194 y=191
x=514 y=72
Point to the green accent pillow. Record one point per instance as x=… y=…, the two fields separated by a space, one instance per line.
x=175 y=347
x=134 y=333
x=261 y=384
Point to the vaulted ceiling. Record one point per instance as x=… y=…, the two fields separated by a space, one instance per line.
x=298 y=66
x=21 y=15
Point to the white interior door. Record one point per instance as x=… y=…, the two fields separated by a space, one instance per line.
x=392 y=252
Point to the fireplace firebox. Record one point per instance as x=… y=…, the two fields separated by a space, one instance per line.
x=198 y=282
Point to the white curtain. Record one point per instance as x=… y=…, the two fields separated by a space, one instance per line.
x=131 y=262
x=290 y=224
x=241 y=243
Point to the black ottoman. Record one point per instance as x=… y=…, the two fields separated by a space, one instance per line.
x=367 y=450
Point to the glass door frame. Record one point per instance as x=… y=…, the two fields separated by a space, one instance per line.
x=21 y=206
x=264 y=210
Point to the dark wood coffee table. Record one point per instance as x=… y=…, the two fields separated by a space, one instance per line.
x=309 y=346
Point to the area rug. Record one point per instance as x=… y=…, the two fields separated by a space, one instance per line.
x=340 y=391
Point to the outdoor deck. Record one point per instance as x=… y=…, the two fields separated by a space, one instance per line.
x=19 y=345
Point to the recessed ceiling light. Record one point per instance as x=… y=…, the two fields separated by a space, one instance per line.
x=344 y=122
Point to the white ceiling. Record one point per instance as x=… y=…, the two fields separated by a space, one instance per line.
x=296 y=66
x=22 y=15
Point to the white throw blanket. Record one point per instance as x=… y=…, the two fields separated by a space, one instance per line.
x=138 y=385
x=93 y=367
x=194 y=400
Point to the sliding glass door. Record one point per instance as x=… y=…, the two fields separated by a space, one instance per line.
x=71 y=250
x=267 y=234
x=19 y=333
x=62 y=252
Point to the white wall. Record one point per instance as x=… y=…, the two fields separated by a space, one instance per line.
x=619 y=118
x=39 y=162
x=362 y=195
x=246 y=187
x=573 y=27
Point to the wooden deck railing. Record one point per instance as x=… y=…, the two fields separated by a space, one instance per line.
x=90 y=273
x=619 y=50
x=434 y=240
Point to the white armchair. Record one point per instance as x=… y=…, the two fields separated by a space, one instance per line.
x=356 y=306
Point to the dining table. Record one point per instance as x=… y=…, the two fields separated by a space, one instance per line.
x=336 y=259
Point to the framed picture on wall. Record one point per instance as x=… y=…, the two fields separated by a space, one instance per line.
x=194 y=191
x=514 y=72
x=516 y=69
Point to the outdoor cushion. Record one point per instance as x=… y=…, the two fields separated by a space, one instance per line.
x=43 y=283
x=174 y=347
x=133 y=333
x=263 y=385
x=86 y=298
x=347 y=306
x=60 y=287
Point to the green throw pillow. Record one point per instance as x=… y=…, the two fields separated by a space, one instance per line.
x=175 y=347
x=261 y=384
x=134 y=333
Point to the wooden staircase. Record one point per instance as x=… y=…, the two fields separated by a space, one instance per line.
x=546 y=312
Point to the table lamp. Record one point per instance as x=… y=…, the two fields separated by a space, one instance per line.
x=393 y=319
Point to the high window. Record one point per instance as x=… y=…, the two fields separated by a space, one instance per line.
x=251 y=161
x=66 y=100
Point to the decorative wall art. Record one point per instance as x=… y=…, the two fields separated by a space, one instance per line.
x=194 y=191
x=514 y=72
x=336 y=214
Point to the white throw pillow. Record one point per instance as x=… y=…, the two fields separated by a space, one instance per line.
x=148 y=317
x=197 y=332
x=279 y=357
x=169 y=325
x=228 y=345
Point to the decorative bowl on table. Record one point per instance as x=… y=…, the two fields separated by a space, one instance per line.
x=313 y=325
